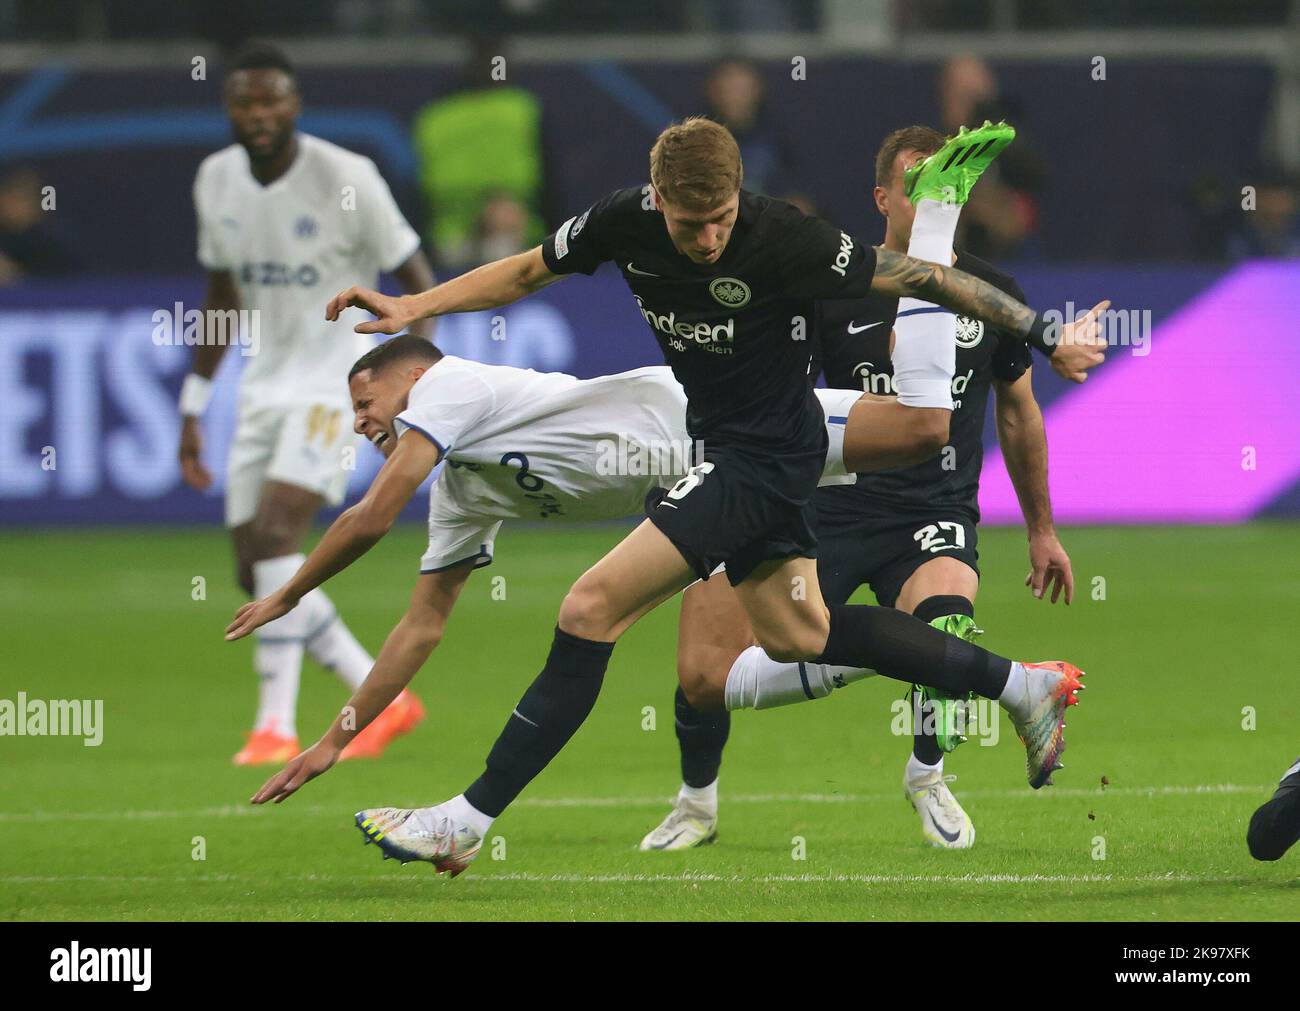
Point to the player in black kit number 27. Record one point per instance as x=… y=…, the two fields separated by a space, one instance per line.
x=719 y=275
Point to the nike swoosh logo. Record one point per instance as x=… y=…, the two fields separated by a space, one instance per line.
x=644 y=273
x=856 y=329
x=939 y=828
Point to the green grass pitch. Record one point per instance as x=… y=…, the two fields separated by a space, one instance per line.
x=1196 y=624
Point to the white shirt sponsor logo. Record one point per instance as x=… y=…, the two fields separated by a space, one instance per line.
x=842 y=257
x=700 y=333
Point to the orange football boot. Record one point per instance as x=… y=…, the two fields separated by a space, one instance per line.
x=266 y=747
x=402 y=716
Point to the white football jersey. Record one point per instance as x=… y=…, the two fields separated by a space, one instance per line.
x=329 y=222
x=521 y=444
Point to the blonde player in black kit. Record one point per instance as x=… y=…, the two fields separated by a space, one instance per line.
x=718 y=274
x=909 y=533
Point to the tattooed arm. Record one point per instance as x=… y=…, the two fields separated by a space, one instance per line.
x=900 y=275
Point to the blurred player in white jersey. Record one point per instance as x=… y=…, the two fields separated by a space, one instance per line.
x=285 y=218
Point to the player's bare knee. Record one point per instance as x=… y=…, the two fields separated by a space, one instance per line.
x=702 y=691
x=272 y=537
x=791 y=645
x=585 y=612
x=796 y=641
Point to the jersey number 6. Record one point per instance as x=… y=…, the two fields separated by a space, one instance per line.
x=693 y=477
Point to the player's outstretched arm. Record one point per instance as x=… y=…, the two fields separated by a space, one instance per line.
x=416 y=275
x=405 y=651
x=901 y=275
x=1023 y=439
x=493 y=284
x=350 y=536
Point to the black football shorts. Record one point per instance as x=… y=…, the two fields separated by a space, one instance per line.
x=742 y=508
x=884 y=552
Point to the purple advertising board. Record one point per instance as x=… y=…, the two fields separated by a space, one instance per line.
x=1192 y=417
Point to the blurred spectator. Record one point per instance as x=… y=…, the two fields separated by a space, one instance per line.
x=502 y=228
x=1272 y=229
x=1003 y=212
x=483 y=140
x=735 y=91
x=28 y=245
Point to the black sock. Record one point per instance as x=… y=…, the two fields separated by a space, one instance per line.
x=701 y=737
x=924 y=746
x=900 y=646
x=550 y=712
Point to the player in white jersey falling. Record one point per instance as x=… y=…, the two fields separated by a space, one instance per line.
x=285 y=218
x=517 y=444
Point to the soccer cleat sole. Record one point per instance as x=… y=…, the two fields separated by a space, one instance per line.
x=955 y=168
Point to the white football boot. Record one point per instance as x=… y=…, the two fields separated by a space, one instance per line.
x=685 y=827
x=943 y=822
x=426 y=833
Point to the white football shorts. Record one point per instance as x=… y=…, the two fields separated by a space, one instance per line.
x=310 y=446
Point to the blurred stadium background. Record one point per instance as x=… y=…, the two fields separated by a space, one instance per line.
x=1146 y=128
x=1129 y=187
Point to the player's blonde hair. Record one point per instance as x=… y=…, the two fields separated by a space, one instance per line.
x=696 y=164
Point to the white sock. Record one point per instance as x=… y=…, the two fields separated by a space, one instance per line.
x=1015 y=696
x=925 y=348
x=756 y=681
x=278 y=656
x=268 y=576
x=467 y=814
x=278 y=663
x=917 y=769
x=336 y=648
x=703 y=799
x=933 y=229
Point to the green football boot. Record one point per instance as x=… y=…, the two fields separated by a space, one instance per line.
x=948 y=175
x=950 y=712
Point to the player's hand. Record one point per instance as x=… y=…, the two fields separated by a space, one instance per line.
x=1081 y=345
x=301 y=769
x=391 y=311
x=1049 y=568
x=192 y=470
x=257 y=613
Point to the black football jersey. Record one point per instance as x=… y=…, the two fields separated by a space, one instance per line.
x=852 y=349
x=737 y=333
